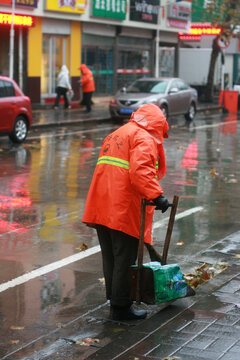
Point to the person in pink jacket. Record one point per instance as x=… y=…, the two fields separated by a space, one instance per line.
x=129 y=167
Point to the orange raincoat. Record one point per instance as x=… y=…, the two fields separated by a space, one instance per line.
x=130 y=163
x=87 y=80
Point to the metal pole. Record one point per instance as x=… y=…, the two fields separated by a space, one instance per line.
x=157 y=46
x=157 y=55
x=222 y=69
x=11 y=47
x=20 y=58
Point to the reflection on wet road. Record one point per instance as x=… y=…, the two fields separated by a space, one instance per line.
x=43 y=187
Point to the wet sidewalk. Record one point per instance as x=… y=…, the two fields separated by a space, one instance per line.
x=203 y=327
x=47 y=116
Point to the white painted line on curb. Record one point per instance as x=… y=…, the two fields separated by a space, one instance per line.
x=79 y=256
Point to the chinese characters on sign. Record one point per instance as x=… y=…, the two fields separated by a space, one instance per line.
x=72 y=6
x=30 y=3
x=6 y=19
x=115 y=9
x=144 y=10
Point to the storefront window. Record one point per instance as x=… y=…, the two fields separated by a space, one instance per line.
x=100 y=61
x=54 y=56
x=166 y=61
x=132 y=65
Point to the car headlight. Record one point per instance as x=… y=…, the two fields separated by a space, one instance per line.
x=112 y=102
x=152 y=101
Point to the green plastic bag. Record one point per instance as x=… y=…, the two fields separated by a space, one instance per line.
x=169 y=283
x=160 y=283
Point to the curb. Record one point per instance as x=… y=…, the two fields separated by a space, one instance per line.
x=101 y=118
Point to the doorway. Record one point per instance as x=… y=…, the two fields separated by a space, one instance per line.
x=55 y=54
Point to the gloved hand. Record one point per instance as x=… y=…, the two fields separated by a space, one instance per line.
x=161 y=203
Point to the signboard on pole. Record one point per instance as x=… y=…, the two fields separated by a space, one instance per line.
x=114 y=9
x=223 y=42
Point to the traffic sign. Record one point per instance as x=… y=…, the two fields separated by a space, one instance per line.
x=223 y=42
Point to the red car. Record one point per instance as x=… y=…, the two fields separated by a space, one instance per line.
x=15 y=110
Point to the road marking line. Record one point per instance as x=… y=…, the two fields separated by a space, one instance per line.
x=79 y=256
x=48 y=268
x=181 y=215
x=214 y=125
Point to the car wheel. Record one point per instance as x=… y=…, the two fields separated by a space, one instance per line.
x=20 y=130
x=164 y=111
x=191 y=112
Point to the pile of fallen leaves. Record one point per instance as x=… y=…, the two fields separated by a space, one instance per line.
x=204 y=273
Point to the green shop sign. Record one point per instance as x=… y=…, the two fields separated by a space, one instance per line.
x=115 y=9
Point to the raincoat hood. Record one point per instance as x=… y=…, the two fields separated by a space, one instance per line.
x=64 y=69
x=84 y=69
x=151 y=118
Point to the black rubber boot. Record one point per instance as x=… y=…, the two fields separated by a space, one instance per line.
x=128 y=313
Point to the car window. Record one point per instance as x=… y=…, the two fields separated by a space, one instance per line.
x=6 y=89
x=182 y=85
x=2 y=89
x=174 y=85
x=159 y=88
x=153 y=87
x=9 y=88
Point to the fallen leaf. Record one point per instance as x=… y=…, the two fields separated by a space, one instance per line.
x=102 y=281
x=232 y=181
x=238 y=256
x=180 y=243
x=90 y=340
x=206 y=276
x=16 y=327
x=204 y=273
x=82 y=247
x=203 y=266
x=181 y=148
x=172 y=358
x=81 y=342
x=213 y=173
x=59 y=325
x=15 y=341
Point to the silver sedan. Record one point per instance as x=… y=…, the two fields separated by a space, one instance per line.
x=172 y=95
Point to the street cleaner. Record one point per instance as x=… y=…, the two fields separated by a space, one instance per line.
x=129 y=167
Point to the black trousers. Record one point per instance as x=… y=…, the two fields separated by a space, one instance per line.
x=87 y=100
x=61 y=91
x=119 y=252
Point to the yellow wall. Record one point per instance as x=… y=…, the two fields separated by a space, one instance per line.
x=35 y=49
x=75 y=48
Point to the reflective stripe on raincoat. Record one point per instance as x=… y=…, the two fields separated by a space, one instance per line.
x=129 y=167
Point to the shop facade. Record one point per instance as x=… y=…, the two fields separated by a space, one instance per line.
x=115 y=39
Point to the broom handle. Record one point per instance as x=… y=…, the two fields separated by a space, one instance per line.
x=169 y=230
x=140 y=248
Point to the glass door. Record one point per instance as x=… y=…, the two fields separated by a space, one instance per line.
x=54 y=56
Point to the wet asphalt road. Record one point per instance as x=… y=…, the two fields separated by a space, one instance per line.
x=43 y=187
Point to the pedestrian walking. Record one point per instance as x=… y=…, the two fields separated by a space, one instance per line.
x=88 y=87
x=63 y=86
x=129 y=167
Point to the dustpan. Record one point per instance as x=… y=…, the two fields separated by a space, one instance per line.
x=155 y=282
